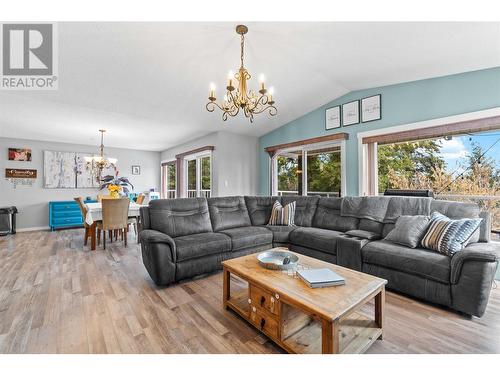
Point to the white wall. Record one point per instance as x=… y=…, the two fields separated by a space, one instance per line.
x=234 y=162
x=32 y=202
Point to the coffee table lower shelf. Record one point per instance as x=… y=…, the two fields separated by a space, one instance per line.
x=306 y=334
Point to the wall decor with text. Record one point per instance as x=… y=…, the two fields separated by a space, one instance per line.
x=371 y=108
x=332 y=118
x=20 y=154
x=350 y=113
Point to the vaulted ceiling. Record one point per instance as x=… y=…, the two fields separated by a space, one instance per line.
x=147 y=83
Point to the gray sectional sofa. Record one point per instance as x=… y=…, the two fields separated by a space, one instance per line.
x=182 y=238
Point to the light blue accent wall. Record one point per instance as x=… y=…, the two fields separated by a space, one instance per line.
x=401 y=104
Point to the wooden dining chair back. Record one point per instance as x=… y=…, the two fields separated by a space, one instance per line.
x=114 y=217
x=140 y=199
x=83 y=210
x=100 y=197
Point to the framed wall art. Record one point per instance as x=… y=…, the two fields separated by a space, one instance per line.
x=20 y=154
x=332 y=118
x=371 y=108
x=350 y=113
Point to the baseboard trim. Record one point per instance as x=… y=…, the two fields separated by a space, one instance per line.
x=31 y=229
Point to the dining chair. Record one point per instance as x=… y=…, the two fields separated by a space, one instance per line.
x=140 y=198
x=100 y=197
x=114 y=218
x=83 y=210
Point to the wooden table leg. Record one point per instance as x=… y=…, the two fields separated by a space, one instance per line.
x=379 y=310
x=226 y=288
x=92 y=236
x=329 y=337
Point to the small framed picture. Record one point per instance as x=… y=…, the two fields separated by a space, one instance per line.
x=136 y=169
x=332 y=118
x=20 y=154
x=350 y=113
x=371 y=108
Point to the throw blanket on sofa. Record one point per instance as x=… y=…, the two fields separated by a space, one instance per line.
x=384 y=210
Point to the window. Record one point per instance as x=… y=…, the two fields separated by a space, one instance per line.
x=324 y=172
x=309 y=170
x=199 y=176
x=459 y=168
x=169 y=179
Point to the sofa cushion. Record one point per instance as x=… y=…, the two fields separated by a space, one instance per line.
x=421 y=262
x=304 y=210
x=372 y=208
x=407 y=206
x=459 y=210
x=449 y=236
x=201 y=244
x=180 y=217
x=281 y=233
x=283 y=215
x=364 y=234
x=409 y=230
x=245 y=237
x=228 y=212
x=259 y=208
x=327 y=216
x=316 y=238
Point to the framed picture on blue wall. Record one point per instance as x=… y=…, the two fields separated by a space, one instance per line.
x=350 y=113
x=371 y=108
x=332 y=118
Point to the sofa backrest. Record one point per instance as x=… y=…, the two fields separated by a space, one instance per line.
x=180 y=217
x=228 y=212
x=304 y=210
x=259 y=208
x=327 y=216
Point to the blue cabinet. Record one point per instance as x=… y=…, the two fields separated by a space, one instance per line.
x=65 y=214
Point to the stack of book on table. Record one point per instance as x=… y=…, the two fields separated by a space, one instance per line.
x=320 y=277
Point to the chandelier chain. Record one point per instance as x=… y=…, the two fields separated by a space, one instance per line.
x=242 y=48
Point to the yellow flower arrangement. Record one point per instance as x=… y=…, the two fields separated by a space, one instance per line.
x=114 y=190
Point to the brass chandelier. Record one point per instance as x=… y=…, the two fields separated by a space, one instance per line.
x=239 y=99
x=97 y=163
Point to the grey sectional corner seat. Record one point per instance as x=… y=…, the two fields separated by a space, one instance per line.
x=183 y=238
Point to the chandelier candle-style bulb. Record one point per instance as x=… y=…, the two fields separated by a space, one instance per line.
x=238 y=97
x=230 y=78
x=262 y=81
x=212 y=92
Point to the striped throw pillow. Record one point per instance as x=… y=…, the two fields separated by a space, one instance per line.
x=282 y=215
x=449 y=236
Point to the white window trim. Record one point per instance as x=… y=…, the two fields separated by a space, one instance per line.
x=162 y=184
x=313 y=146
x=198 y=156
x=363 y=188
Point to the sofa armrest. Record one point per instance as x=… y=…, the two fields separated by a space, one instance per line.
x=478 y=252
x=153 y=236
x=145 y=220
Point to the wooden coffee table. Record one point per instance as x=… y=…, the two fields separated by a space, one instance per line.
x=301 y=319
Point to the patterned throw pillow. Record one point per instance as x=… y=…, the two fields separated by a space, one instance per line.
x=449 y=236
x=282 y=215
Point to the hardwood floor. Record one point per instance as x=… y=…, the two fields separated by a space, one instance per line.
x=58 y=297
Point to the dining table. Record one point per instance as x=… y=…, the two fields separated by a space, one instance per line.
x=94 y=214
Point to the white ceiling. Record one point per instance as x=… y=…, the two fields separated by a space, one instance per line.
x=147 y=83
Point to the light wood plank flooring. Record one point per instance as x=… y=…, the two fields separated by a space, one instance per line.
x=58 y=297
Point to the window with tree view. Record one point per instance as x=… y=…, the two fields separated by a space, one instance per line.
x=309 y=172
x=463 y=168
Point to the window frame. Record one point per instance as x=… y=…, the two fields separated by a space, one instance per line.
x=164 y=178
x=197 y=156
x=341 y=143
